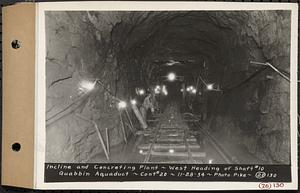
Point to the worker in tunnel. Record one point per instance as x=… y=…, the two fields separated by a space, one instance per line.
x=148 y=105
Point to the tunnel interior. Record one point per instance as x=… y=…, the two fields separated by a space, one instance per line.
x=243 y=105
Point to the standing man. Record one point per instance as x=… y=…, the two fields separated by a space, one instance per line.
x=147 y=104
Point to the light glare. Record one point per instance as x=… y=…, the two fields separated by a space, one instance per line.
x=133 y=102
x=209 y=86
x=171 y=76
x=141 y=92
x=164 y=90
x=86 y=86
x=122 y=105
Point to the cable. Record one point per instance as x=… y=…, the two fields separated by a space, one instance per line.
x=273 y=67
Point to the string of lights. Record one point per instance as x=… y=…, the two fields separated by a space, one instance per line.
x=86 y=86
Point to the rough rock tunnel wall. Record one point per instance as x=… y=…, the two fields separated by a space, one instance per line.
x=121 y=50
x=79 y=48
x=256 y=113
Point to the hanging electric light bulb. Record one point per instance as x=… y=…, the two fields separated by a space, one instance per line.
x=122 y=105
x=210 y=86
x=133 y=102
x=141 y=91
x=86 y=86
x=171 y=76
x=164 y=90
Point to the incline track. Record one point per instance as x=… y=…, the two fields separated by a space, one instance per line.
x=172 y=141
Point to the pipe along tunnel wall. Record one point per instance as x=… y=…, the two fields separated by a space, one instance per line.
x=126 y=50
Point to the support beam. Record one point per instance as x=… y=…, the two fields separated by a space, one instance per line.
x=107 y=140
x=98 y=133
x=130 y=122
x=122 y=127
x=139 y=117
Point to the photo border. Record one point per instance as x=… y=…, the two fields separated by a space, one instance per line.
x=40 y=128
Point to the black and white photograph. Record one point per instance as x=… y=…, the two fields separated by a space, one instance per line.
x=204 y=87
x=150 y=95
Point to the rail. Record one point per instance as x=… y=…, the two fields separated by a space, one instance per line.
x=222 y=152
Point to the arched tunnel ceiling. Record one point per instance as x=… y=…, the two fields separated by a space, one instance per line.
x=224 y=41
x=187 y=37
x=172 y=33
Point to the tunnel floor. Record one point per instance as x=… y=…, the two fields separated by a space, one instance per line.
x=173 y=138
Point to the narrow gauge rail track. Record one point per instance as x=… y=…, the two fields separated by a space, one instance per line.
x=171 y=145
x=173 y=141
x=200 y=130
